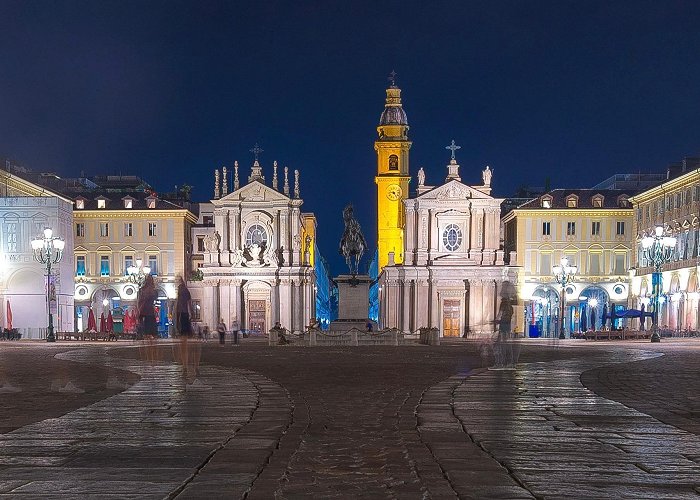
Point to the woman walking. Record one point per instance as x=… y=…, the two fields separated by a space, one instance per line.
x=189 y=354
x=148 y=327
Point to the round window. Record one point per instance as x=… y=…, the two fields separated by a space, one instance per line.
x=129 y=290
x=619 y=289
x=452 y=237
x=82 y=290
x=256 y=235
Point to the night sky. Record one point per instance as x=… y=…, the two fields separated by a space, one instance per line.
x=570 y=91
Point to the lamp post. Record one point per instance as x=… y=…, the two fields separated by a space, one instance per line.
x=563 y=274
x=48 y=251
x=137 y=274
x=658 y=250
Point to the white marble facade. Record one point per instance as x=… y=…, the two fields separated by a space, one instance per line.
x=454 y=277
x=257 y=268
x=25 y=211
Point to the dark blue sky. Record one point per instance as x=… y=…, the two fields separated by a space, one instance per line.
x=570 y=90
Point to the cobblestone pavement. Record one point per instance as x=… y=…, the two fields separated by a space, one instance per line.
x=656 y=386
x=557 y=439
x=157 y=439
x=370 y=422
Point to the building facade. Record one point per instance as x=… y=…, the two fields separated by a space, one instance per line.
x=258 y=266
x=593 y=229
x=118 y=224
x=675 y=206
x=26 y=209
x=454 y=276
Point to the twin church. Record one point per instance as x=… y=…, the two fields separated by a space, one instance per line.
x=440 y=260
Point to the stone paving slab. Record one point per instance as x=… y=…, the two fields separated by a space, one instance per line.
x=579 y=445
x=157 y=439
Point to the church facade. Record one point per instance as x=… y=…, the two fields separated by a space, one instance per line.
x=258 y=264
x=451 y=273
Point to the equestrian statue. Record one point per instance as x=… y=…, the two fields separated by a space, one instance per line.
x=353 y=243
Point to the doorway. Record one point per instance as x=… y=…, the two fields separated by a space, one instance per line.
x=256 y=316
x=451 y=312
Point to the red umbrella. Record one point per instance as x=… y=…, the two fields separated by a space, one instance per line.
x=9 y=316
x=110 y=322
x=102 y=322
x=92 y=323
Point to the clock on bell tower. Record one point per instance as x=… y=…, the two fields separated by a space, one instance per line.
x=392 y=178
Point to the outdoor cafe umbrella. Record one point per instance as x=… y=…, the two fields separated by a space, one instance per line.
x=103 y=325
x=110 y=322
x=584 y=326
x=642 y=318
x=92 y=323
x=605 y=316
x=592 y=318
x=9 y=316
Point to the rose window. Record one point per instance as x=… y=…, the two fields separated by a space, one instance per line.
x=452 y=237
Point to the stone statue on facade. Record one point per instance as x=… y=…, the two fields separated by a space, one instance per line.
x=237 y=258
x=352 y=243
x=270 y=257
x=211 y=242
x=254 y=252
x=421 y=177
x=486 y=176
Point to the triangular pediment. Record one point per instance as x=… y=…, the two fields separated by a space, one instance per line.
x=253 y=191
x=454 y=190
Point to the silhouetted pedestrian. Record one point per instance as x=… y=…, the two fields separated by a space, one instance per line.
x=221 y=329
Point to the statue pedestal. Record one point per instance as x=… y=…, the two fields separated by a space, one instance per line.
x=353 y=303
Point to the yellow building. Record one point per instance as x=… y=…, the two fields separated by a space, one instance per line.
x=675 y=206
x=392 y=178
x=118 y=228
x=593 y=230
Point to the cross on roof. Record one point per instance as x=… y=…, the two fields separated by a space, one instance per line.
x=392 y=78
x=256 y=151
x=453 y=147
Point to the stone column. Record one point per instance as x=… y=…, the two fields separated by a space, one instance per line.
x=406 y=307
x=234 y=221
x=225 y=302
x=285 y=238
x=236 y=301
x=489 y=305
x=475 y=320
x=433 y=310
x=296 y=237
x=410 y=243
x=275 y=302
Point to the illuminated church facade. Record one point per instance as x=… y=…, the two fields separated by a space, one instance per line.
x=439 y=255
x=259 y=257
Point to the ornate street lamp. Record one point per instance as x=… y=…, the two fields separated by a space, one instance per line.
x=563 y=274
x=658 y=250
x=137 y=274
x=48 y=251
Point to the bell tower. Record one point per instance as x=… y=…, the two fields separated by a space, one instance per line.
x=392 y=178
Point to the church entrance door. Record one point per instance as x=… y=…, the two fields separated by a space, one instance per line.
x=450 y=318
x=256 y=316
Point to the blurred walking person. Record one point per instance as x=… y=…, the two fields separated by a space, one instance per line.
x=189 y=347
x=148 y=327
x=221 y=329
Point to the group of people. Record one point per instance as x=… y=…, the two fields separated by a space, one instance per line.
x=189 y=351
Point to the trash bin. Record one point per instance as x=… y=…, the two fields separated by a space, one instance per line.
x=534 y=331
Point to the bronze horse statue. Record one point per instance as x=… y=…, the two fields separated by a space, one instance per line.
x=353 y=243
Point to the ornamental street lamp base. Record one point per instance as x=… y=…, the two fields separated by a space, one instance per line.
x=50 y=337
x=562 y=336
x=655 y=337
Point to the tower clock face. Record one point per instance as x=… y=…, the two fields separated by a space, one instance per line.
x=393 y=192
